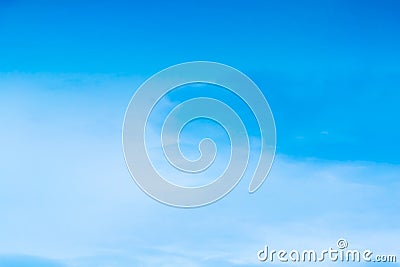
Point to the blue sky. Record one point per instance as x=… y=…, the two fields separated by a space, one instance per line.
x=329 y=70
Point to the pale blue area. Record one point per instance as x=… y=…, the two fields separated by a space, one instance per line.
x=24 y=261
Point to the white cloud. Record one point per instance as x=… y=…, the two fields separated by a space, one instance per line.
x=66 y=194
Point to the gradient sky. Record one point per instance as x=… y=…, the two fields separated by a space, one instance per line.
x=330 y=71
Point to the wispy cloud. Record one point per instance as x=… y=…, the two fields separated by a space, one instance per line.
x=65 y=194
